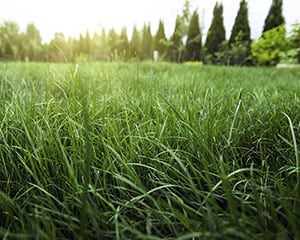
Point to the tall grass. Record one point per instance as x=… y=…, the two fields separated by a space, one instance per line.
x=148 y=151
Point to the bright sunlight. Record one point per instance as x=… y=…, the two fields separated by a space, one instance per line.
x=75 y=17
x=78 y=16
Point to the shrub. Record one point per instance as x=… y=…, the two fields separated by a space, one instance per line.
x=266 y=51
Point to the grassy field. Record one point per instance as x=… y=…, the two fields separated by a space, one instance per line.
x=148 y=151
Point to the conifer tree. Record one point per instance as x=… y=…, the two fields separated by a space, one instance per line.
x=9 y=51
x=194 y=39
x=146 y=45
x=240 y=39
x=186 y=17
x=87 y=44
x=58 y=48
x=123 y=44
x=275 y=17
x=135 y=43
x=9 y=39
x=175 y=46
x=112 y=42
x=104 y=46
x=241 y=25
x=160 y=39
x=216 y=32
x=33 y=43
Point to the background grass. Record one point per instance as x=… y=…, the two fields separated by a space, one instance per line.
x=148 y=151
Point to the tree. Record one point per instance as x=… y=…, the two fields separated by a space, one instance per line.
x=88 y=45
x=134 y=45
x=146 y=45
x=266 y=51
x=175 y=45
x=186 y=17
x=9 y=51
x=160 y=39
x=216 y=32
x=239 y=51
x=104 y=47
x=292 y=53
x=10 y=38
x=32 y=43
x=274 y=17
x=194 y=39
x=113 y=43
x=241 y=24
x=295 y=40
x=71 y=43
x=100 y=51
x=123 y=44
x=240 y=39
x=58 y=48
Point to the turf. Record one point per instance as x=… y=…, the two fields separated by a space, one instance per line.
x=148 y=151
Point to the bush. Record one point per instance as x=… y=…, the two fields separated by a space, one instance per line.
x=266 y=51
x=294 y=39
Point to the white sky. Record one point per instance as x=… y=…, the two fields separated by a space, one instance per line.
x=73 y=17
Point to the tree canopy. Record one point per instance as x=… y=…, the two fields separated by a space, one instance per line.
x=216 y=32
x=241 y=24
x=274 y=17
x=194 y=39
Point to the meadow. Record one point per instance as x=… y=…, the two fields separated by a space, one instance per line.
x=147 y=150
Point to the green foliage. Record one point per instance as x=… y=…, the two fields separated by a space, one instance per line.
x=222 y=57
x=113 y=44
x=240 y=51
x=158 y=151
x=216 y=33
x=58 y=48
x=294 y=40
x=146 y=43
x=241 y=28
x=266 y=51
x=185 y=43
x=160 y=39
x=32 y=43
x=274 y=17
x=176 y=46
x=240 y=39
x=10 y=38
x=135 y=44
x=123 y=45
x=194 y=39
x=185 y=17
x=237 y=50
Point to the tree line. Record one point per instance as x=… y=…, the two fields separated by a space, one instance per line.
x=185 y=44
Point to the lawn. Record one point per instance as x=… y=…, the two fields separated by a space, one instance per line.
x=147 y=150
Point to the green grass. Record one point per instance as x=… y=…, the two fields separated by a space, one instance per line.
x=148 y=151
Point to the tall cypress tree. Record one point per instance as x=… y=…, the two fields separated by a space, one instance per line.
x=88 y=41
x=240 y=39
x=135 y=43
x=275 y=17
x=160 y=39
x=123 y=44
x=194 y=39
x=113 y=43
x=216 y=32
x=241 y=25
x=104 y=46
x=175 y=48
x=33 y=42
x=146 y=45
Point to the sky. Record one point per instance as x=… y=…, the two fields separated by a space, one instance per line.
x=73 y=17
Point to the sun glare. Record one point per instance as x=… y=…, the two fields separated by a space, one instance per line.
x=92 y=15
x=75 y=17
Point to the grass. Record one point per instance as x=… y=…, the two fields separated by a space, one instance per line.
x=148 y=151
